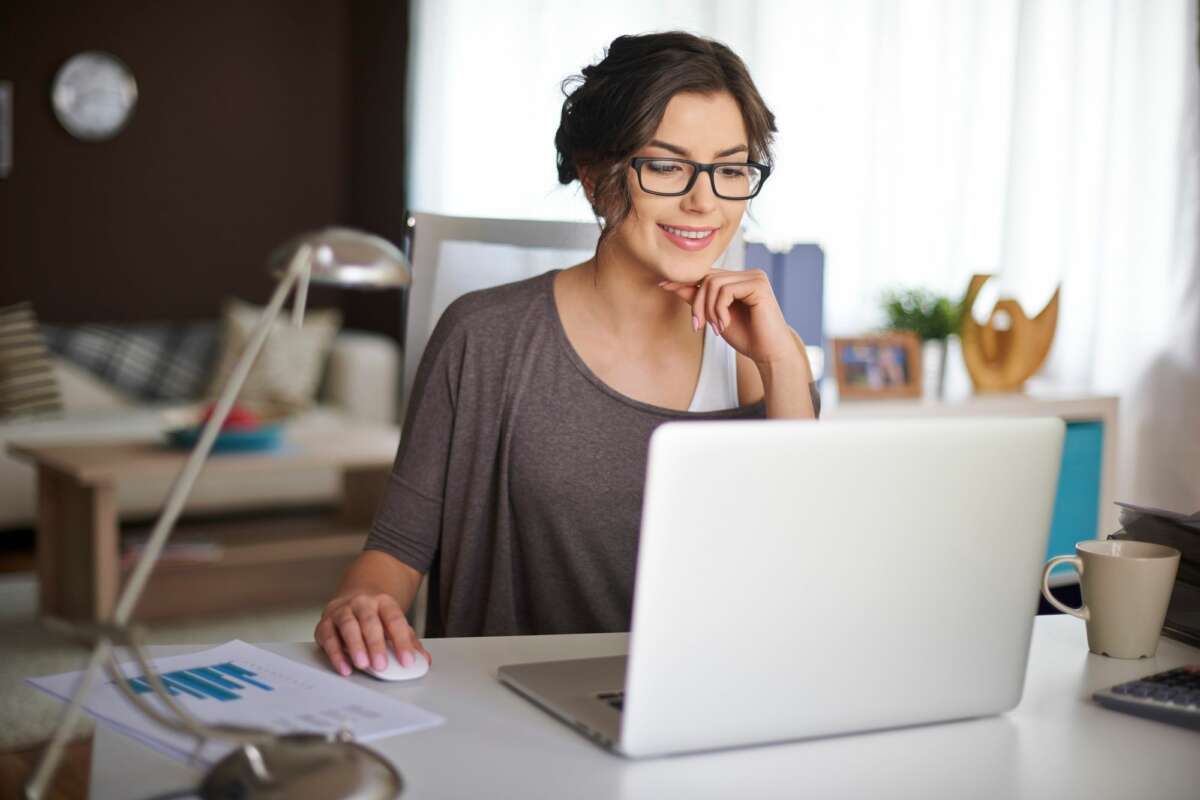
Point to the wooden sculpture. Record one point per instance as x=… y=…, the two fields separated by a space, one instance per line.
x=998 y=359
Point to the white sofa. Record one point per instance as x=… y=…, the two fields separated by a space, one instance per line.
x=361 y=383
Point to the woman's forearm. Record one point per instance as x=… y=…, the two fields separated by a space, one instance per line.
x=377 y=572
x=786 y=386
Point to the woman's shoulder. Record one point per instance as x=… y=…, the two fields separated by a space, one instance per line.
x=497 y=308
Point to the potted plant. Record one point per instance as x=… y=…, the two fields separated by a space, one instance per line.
x=932 y=317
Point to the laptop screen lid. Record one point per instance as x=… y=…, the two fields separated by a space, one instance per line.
x=798 y=579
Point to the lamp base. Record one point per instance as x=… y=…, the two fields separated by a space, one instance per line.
x=302 y=765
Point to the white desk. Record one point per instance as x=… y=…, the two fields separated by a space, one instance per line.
x=1057 y=743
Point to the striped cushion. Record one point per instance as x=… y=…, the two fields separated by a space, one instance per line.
x=27 y=382
x=154 y=362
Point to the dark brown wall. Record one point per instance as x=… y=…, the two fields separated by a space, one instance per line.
x=252 y=125
x=379 y=58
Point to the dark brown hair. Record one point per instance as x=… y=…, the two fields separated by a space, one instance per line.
x=614 y=107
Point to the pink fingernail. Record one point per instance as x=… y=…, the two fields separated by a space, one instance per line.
x=406 y=658
x=695 y=323
x=380 y=662
x=344 y=670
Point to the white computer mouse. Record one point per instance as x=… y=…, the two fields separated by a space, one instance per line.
x=394 y=671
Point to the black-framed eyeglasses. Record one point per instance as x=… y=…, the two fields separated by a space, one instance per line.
x=671 y=177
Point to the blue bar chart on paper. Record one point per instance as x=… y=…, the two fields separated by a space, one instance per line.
x=223 y=682
x=242 y=685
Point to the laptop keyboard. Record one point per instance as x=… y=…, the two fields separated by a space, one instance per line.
x=614 y=699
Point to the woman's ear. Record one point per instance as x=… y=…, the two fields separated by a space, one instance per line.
x=588 y=182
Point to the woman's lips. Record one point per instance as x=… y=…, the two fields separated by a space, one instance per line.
x=684 y=243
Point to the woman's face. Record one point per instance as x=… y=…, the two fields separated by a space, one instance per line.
x=679 y=238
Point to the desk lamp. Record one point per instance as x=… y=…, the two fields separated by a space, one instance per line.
x=265 y=764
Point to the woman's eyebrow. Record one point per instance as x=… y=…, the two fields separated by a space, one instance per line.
x=683 y=150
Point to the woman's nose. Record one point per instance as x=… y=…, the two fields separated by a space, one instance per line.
x=701 y=197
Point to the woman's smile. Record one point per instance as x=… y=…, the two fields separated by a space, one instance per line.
x=687 y=237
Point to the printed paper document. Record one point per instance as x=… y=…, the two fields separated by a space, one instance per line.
x=239 y=684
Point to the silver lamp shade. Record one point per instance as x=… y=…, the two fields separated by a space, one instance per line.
x=346 y=257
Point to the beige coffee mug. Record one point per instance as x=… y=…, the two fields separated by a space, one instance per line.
x=1126 y=587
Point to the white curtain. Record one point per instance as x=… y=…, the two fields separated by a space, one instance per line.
x=1161 y=400
x=919 y=142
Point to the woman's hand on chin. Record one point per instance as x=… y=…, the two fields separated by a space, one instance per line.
x=741 y=307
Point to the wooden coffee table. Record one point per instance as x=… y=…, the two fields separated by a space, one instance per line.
x=265 y=560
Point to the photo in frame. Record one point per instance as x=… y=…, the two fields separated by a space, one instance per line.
x=877 y=367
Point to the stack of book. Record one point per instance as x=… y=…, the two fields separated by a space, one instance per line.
x=1181 y=531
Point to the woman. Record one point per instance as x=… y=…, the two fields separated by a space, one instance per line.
x=518 y=483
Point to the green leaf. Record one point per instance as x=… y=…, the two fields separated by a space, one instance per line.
x=929 y=315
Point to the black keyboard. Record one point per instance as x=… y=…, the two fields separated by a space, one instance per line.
x=614 y=699
x=1172 y=696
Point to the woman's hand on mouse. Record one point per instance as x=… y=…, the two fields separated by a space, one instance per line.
x=741 y=307
x=355 y=629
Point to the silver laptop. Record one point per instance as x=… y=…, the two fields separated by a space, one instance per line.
x=799 y=580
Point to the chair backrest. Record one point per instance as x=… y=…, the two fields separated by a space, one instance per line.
x=798 y=280
x=451 y=256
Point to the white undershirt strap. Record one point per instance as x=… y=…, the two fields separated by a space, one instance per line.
x=717 y=388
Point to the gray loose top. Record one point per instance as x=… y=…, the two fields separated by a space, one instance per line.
x=517 y=486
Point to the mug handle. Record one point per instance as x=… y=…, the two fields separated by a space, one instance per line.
x=1075 y=561
x=1082 y=612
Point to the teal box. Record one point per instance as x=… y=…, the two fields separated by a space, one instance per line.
x=1077 y=505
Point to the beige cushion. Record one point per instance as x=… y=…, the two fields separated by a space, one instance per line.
x=288 y=370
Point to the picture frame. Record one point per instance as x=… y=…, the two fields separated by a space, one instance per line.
x=882 y=366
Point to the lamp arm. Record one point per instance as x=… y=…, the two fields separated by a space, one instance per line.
x=301 y=298
x=121 y=681
x=131 y=636
x=104 y=631
x=184 y=721
x=180 y=489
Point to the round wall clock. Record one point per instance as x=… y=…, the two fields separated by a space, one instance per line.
x=93 y=95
